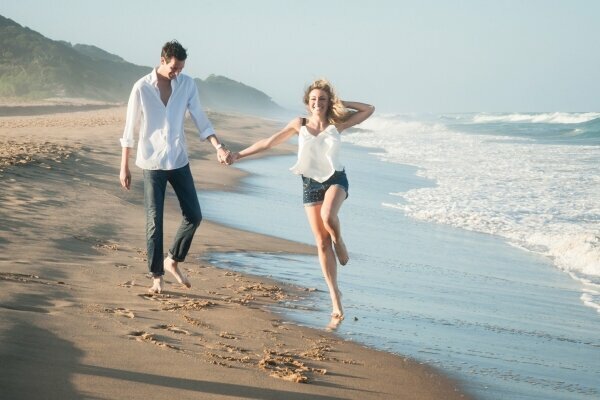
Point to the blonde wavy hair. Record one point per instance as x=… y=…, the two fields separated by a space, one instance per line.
x=336 y=112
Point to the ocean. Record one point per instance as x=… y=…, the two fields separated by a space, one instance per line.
x=474 y=242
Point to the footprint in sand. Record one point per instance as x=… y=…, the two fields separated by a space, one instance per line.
x=98 y=244
x=227 y=335
x=286 y=366
x=10 y=276
x=219 y=359
x=172 y=328
x=231 y=349
x=106 y=246
x=142 y=336
x=155 y=296
x=122 y=312
x=196 y=322
x=128 y=284
x=188 y=305
x=121 y=265
x=170 y=302
x=190 y=271
x=142 y=255
x=27 y=278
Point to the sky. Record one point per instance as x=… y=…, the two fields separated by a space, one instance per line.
x=401 y=56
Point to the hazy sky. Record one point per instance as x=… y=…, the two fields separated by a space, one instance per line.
x=401 y=56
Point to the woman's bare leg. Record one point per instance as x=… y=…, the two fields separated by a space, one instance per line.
x=334 y=198
x=326 y=257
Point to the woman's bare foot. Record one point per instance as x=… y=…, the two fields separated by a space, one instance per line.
x=157 y=285
x=171 y=266
x=341 y=251
x=334 y=323
x=337 y=312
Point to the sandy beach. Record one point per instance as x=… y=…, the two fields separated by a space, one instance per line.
x=77 y=321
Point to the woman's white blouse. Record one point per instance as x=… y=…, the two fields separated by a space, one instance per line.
x=318 y=155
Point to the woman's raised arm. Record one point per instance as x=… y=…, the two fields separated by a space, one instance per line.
x=363 y=111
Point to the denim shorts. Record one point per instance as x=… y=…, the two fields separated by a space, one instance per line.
x=314 y=192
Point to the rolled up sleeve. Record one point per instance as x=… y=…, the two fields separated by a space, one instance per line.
x=134 y=113
x=205 y=128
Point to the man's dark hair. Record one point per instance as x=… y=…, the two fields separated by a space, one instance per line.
x=173 y=49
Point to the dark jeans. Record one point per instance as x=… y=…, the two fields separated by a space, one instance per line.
x=155 y=186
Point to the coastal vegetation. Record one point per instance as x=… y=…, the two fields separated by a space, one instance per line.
x=34 y=67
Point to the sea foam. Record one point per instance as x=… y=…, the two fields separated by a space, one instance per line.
x=542 y=197
x=548 y=118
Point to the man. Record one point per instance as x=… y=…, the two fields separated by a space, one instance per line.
x=158 y=104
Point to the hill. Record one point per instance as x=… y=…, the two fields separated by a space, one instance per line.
x=33 y=66
x=97 y=53
x=221 y=93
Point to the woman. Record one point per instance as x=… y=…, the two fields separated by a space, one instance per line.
x=323 y=176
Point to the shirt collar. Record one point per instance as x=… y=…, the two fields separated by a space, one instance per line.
x=154 y=77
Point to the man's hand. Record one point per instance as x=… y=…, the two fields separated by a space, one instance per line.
x=224 y=156
x=125 y=178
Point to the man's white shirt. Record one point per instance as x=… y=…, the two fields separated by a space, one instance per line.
x=162 y=143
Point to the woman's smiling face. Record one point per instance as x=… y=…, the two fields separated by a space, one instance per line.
x=318 y=102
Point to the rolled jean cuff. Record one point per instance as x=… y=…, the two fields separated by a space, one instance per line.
x=177 y=259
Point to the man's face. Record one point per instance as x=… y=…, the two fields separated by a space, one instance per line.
x=172 y=68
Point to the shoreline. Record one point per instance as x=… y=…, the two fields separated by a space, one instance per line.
x=75 y=294
x=464 y=299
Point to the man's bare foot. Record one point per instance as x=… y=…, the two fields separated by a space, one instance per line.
x=341 y=251
x=157 y=285
x=171 y=266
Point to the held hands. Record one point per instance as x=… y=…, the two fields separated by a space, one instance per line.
x=235 y=156
x=224 y=156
